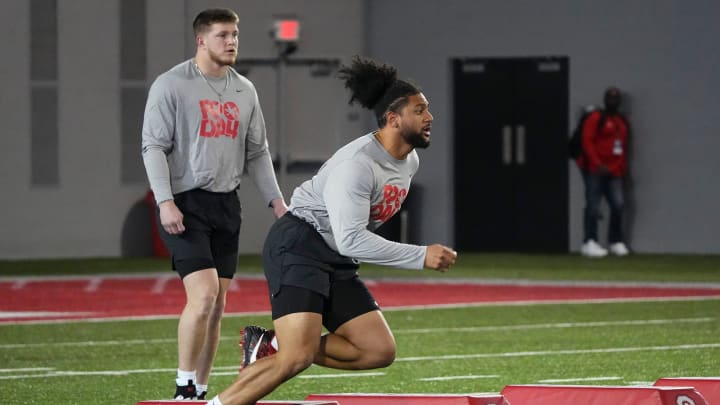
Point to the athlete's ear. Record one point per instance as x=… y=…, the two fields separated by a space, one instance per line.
x=393 y=119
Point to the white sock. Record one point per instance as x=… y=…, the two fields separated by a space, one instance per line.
x=274 y=342
x=215 y=401
x=201 y=388
x=183 y=377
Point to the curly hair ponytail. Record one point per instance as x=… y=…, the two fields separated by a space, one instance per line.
x=375 y=86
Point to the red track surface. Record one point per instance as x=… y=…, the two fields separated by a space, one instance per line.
x=96 y=297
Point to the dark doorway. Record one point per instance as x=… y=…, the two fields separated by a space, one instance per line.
x=510 y=154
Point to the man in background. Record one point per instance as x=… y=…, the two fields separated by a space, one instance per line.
x=604 y=165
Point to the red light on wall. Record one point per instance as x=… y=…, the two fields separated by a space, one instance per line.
x=287 y=30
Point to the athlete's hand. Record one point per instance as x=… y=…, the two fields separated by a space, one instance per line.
x=279 y=207
x=439 y=257
x=171 y=218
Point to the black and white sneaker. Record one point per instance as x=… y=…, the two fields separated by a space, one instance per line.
x=202 y=395
x=186 y=391
x=255 y=344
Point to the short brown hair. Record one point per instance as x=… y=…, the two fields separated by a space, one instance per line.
x=208 y=17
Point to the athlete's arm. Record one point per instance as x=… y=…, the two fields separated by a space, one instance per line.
x=347 y=199
x=259 y=162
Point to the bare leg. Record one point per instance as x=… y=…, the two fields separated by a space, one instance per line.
x=299 y=337
x=201 y=290
x=207 y=355
x=361 y=343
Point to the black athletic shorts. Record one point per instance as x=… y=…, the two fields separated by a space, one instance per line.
x=305 y=275
x=212 y=227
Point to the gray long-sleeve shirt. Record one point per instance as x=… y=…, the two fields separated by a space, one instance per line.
x=359 y=188
x=192 y=138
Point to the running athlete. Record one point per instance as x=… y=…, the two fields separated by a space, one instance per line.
x=311 y=255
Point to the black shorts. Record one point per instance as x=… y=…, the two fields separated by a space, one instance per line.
x=212 y=228
x=348 y=299
x=305 y=275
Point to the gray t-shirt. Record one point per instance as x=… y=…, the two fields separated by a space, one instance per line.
x=192 y=138
x=359 y=188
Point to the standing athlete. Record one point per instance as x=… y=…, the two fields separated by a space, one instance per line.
x=312 y=253
x=203 y=125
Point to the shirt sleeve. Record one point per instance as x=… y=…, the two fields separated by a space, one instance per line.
x=258 y=160
x=589 y=133
x=157 y=139
x=347 y=196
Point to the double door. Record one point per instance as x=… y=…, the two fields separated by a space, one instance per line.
x=510 y=154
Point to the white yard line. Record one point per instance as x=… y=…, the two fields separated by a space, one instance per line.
x=567 y=380
x=558 y=325
x=340 y=375
x=552 y=302
x=32 y=314
x=561 y=352
x=544 y=353
x=561 y=325
x=25 y=369
x=458 y=377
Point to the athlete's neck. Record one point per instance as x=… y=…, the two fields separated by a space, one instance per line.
x=393 y=142
x=208 y=67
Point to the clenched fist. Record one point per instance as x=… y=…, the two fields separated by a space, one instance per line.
x=439 y=257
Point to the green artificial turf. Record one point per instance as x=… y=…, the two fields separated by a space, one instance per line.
x=478 y=349
x=483 y=348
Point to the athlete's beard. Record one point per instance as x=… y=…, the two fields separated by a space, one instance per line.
x=220 y=60
x=415 y=139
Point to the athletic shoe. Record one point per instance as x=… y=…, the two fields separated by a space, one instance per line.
x=185 y=391
x=592 y=249
x=255 y=344
x=619 y=249
x=202 y=395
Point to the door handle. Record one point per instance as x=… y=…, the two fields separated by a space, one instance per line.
x=520 y=144
x=506 y=145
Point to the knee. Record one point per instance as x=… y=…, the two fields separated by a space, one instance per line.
x=205 y=304
x=294 y=363
x=384 y=355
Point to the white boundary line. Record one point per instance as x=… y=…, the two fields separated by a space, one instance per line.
x=386 y=309
x=392 y=280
